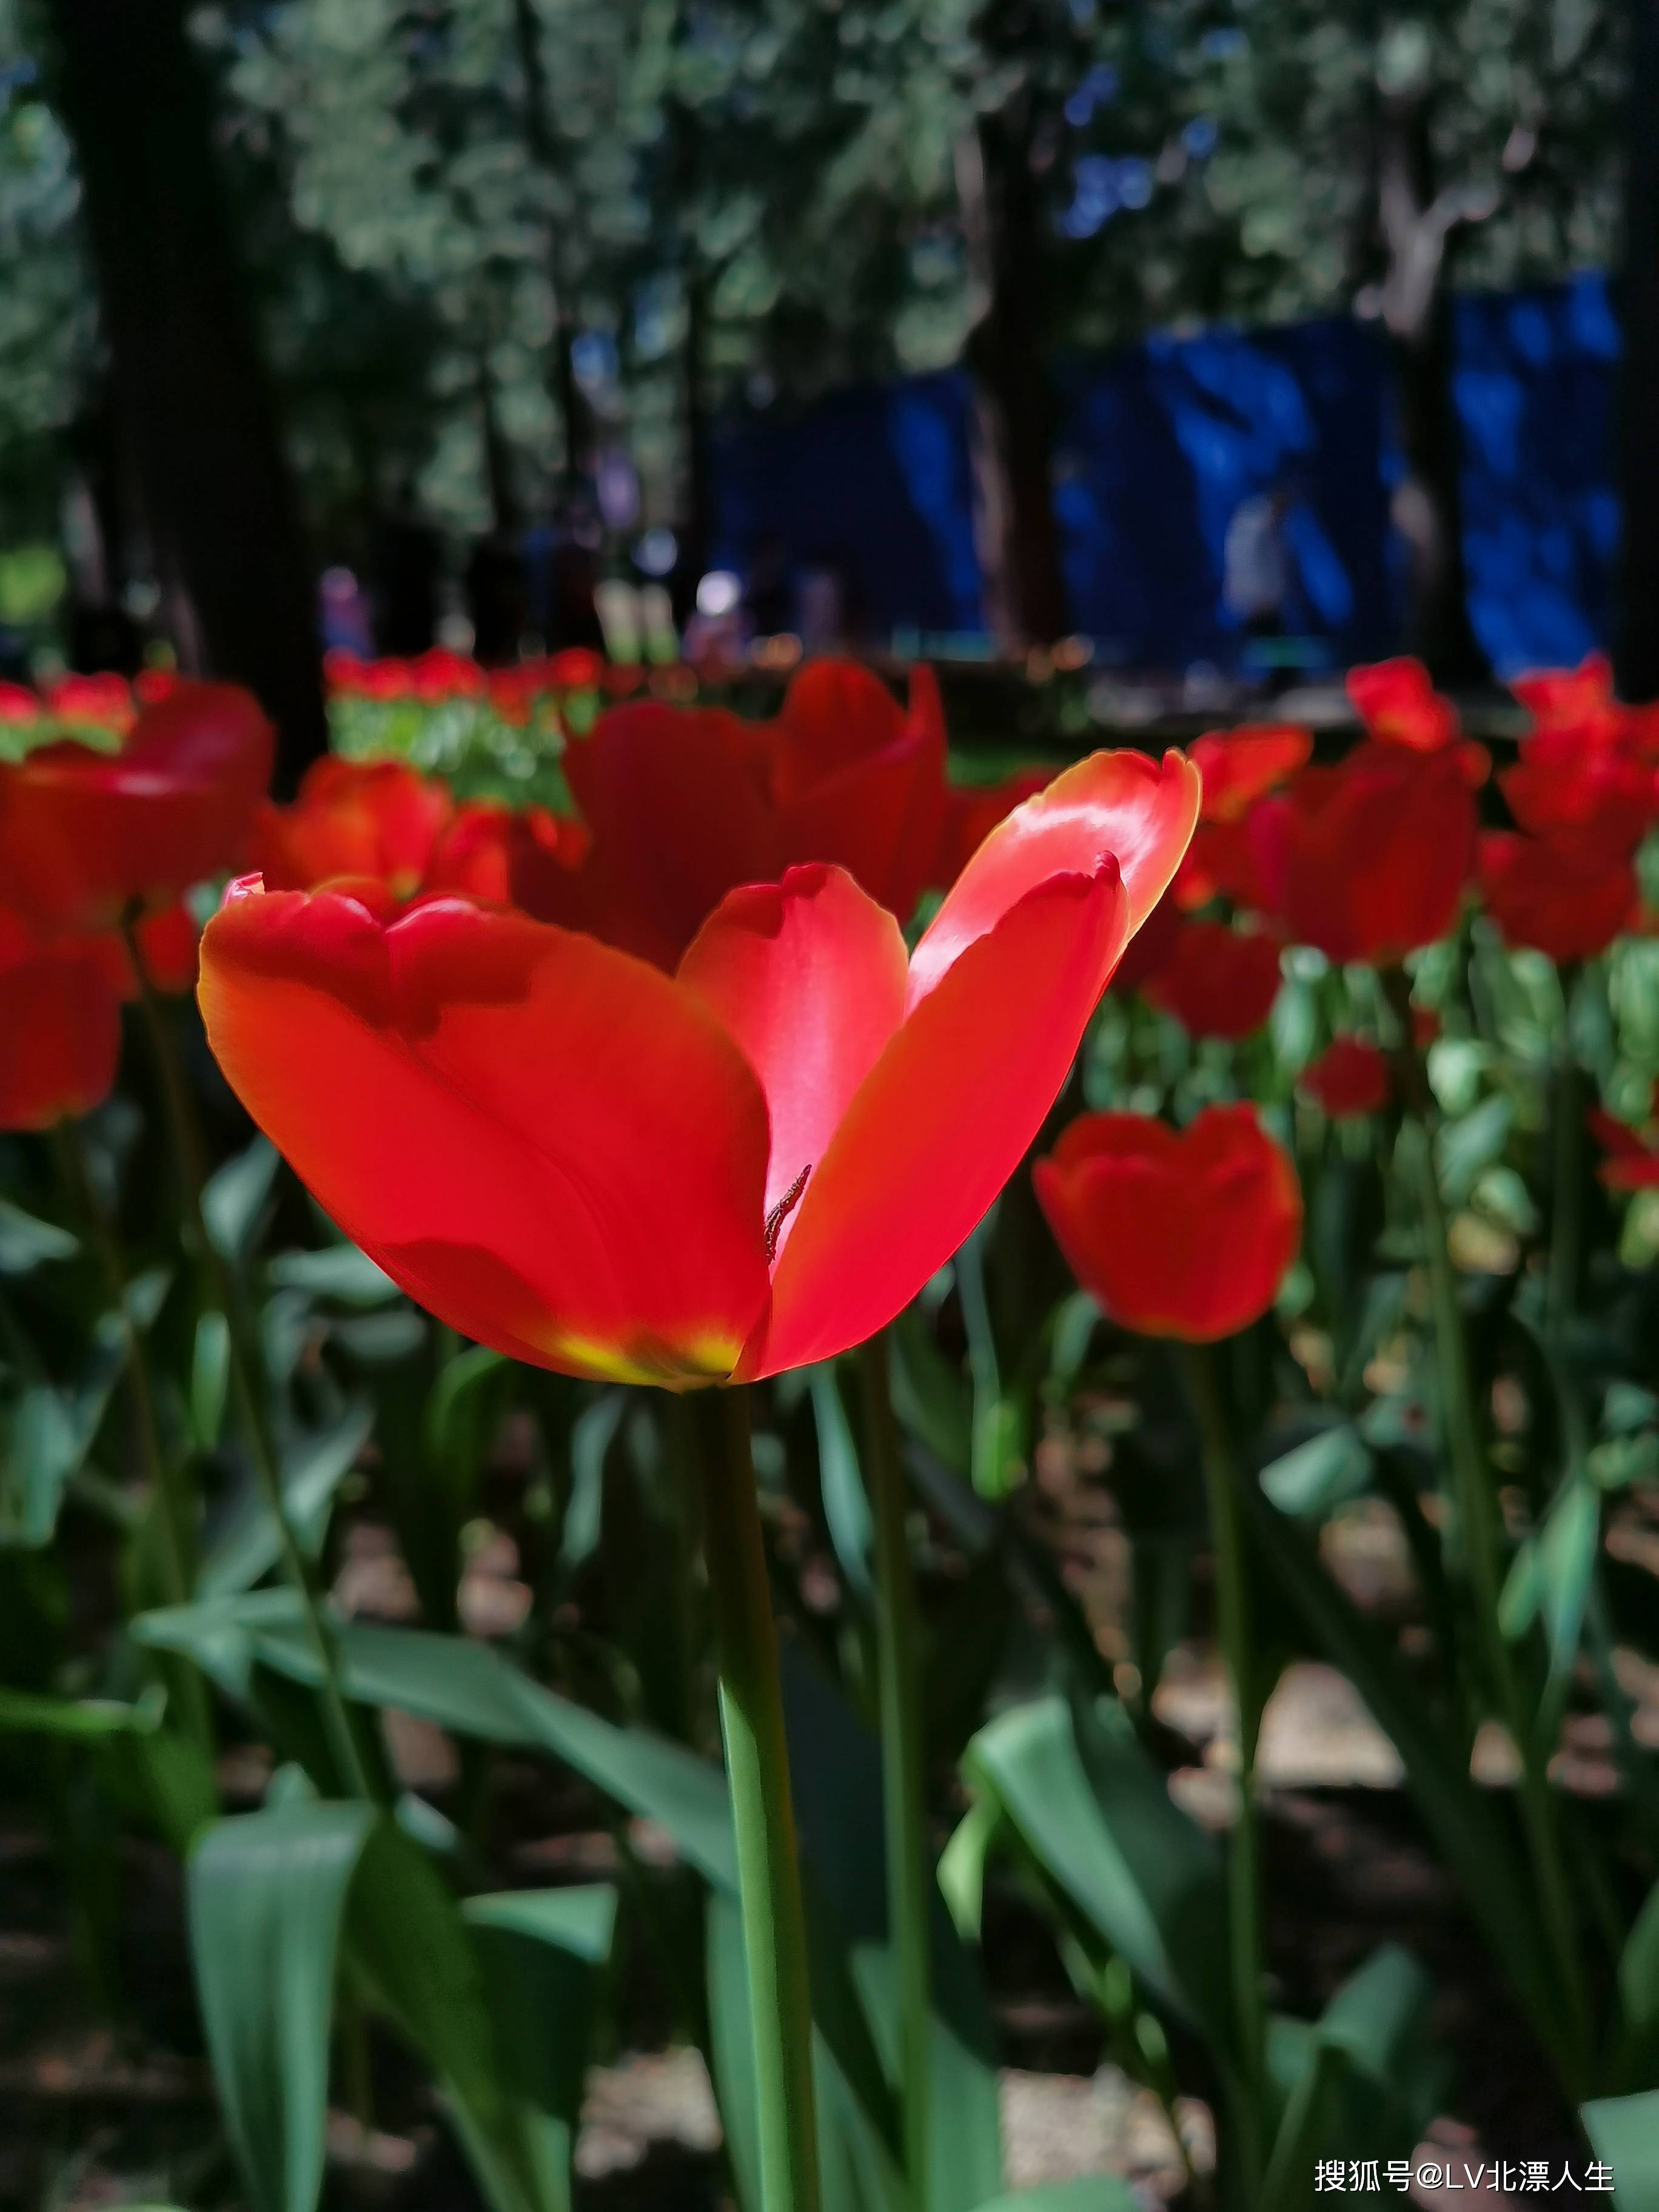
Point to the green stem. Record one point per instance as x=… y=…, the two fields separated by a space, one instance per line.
x=1221 y=1481
x=191 y=1155
x=909 y=1876
x=1480 y=1537
x=172 y=1504
x=762 y=1816
x=1567 y=1167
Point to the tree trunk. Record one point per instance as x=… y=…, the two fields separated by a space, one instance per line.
x=1416 y=223
x=1638 y=450
x=1014 y=520
x=197 y=405
x=539 y=139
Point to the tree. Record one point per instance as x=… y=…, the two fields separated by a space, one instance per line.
x=196 y=403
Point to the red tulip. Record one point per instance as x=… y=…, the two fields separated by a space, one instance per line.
x=599 y=1169
x=686 y=804
x=578 y=668
x=1564 y=782
x=1185 y=1234
x=1350 y=1077
x=19 y=704
x=1398 y=703
x=1217 y=981
x=1241 y=766
x=61 y=1021
x=438 y=673
x=1632 y=1158
x=379 y=818
x=102 y=701
x=1367 y=861
x=84 y=834
x=1568 y=896
x=1577 y=699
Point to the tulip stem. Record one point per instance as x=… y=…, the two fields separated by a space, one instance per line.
x=762 y=1815
x=1479 y=1543
x=1566 y=1172
x=171 y=1498
x=909 y=1876
x=1221 y=1481
x=191 y=1157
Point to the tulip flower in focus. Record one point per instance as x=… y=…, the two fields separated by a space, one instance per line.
x=1368 y=860
x=1179 y=1233
x=1569 y=894
x=60 y=1021
x=1217 y=981
x=749 y=1166
x=1350 y=1078
x=86 y=835
x=685 y=804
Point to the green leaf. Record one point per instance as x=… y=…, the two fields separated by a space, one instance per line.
x=313 y=1467
x=542 y=1953
x=1145 y=1878
x=27 y=1243
x=1102 y=2192
x=77 y=1718
x=209 y=1378
x=835 y=1767
x=338 y=1271
x=1465 y=1148
x=1315 y=1477
x=1474 y=1846
x=469 y=1688
x=846 y=1508
x=267 y=1901
x=932 y=1400
x=234 y=1196
x=592 y=1435
x=1638 y=1968
x=1623 y=2132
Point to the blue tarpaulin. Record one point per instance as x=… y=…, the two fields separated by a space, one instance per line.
x=1157 y=448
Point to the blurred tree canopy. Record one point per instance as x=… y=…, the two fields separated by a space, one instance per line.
x=489 y=242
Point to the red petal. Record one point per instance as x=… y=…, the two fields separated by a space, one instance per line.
x=61 y=1022
x=1139 y=812
x=808 y=977
x=943 y=1119
x=549 y=1143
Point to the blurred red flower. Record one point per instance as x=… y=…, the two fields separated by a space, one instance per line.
x=19 y=704
x=1350 y=1077
x=1566 y=782
x=84 y=834
x=1367 y=860
x=1185 y=1234
x=1397 y=703
x=60 y=1018
x=1569 y=894
x=1216 y=981
x=685 y=804
x=573 y=1158
x=1242 y=765
x=383 y=822
x=1632 y=1158
x=102 y=701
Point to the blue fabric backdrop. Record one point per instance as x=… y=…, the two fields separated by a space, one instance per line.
x=1157 y=446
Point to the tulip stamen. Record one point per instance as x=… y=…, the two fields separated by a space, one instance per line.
x=781 y=1212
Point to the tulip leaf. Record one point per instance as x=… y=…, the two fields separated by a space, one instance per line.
x=542 y=1953
x=1623 y=2132
x=313 y=1467
x=336 y=1271
x=932 y=1399
x=27 y=1243
x=836 y=1763
x=209 y=1378
x=592 y=1435
x=1100 y=2192
x=267 y=1902
x=1465 y=1148
x=846 y=1507
x=1310 y=1481
x=1100 y=1822
x=1471 y=1841
x=233 y=1197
